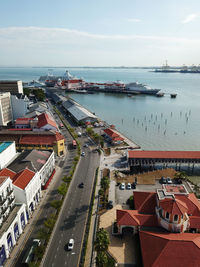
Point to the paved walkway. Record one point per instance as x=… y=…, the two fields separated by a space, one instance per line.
x=122 y=249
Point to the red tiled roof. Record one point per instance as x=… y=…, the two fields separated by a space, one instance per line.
x=111 y=133
x=41 y=139
x=164 y=154
x=173 y=206
x=7 y=172
x=195 y=222
x=145 y=202
x=23 y=178
x=168 y=249
x=191 y=202
x=133 y=218
x=43 y=119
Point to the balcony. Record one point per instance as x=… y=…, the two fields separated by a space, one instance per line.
x=10 y=200
x=2 y=201
x=9 y=192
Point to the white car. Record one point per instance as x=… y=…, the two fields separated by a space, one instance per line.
x=122 y=186
x=128 y=186
x=83 y=154
x=169 y=180
x=70 y=245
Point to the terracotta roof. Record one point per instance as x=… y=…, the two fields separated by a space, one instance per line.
x=164 y=154
x=7 y=172
x=111 y=133
x=195 y=222
x=167 y=249
x=41 y=140
x=145 y=202
x=173 y=206
x=44 y=119
x=133 y=218
x=23 y=178
x=191 y=202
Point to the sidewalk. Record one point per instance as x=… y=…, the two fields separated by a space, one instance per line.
x=11 y=261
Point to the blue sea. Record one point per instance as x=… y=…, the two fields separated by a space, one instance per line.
x=153 y=123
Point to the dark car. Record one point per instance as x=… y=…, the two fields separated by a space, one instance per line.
x=163 y=180
x=133 y=185
x=110 y=204
x=81 y=185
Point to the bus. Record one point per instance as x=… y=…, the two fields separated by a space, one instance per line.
x=74 y=144
x=61 y=126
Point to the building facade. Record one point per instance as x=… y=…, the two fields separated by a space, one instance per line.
x=12 y=219
x=7 y=153
x=20 y=105
x=14 y=87
x=5 y=109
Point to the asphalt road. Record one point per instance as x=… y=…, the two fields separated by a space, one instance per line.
x=73 y=218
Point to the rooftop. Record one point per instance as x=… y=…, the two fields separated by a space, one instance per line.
x=4 y=145
x=164 y=154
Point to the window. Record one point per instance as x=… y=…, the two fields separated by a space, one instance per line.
x=175 y=217
x=167 y=215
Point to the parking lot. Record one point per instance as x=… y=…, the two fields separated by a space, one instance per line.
x=121 y=196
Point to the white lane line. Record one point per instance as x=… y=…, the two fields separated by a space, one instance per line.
x=57 y=248
x=65 y=263
x=59 y=241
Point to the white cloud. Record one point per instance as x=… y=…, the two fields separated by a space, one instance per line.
x=57 y=46
x=189 y=18
x=134 y=20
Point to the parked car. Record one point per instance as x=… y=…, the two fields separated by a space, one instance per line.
x=83 y=154
x=133 y=185
x=163 y=180
x=81 y=185
x=169 y=180
x=128 y=186
x=122 y=186
x=86 y=145
x=110 y=204
x=70 y=245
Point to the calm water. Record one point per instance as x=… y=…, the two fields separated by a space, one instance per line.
x=153 y=123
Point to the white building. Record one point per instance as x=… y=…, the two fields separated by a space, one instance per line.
x=12 y=219
x=20 y=105
x=39 y=161
x=7 y=153
x=27 y=188
x=5 y=109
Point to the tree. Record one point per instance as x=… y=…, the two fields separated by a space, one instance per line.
x=101 y=259
x=102 y=240
x=62 y=189
x=56 y=204
x=43 y=233
x=105 y=183
x=49 y=223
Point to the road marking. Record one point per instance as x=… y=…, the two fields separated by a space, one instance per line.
x=57 y=248
x=55 y=256
x=65 y=263
x=59 y=241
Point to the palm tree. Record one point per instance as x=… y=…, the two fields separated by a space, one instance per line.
x=101 y=259
x=102 y=241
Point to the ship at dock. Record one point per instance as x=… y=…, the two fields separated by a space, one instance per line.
x=141 y=88
x=73 y=84
x=184 y=69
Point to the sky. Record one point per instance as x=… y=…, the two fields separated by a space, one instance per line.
x=99 y=33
